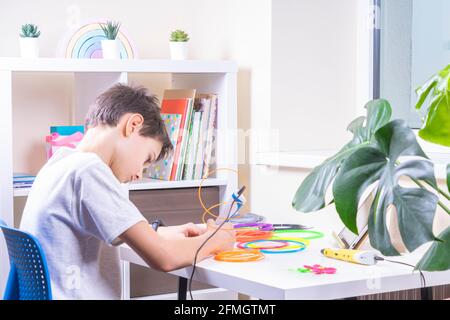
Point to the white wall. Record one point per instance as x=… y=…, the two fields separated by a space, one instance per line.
x=313 y=97
x=313 y=72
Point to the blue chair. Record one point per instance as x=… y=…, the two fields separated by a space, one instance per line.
x=28 y=278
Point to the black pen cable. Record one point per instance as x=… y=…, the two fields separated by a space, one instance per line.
x=204 y=242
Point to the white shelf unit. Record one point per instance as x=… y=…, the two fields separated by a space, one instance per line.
x=90 y=78
x=152 y=184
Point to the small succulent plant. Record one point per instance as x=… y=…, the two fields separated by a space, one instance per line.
x=111 y=29
x=179 y=36
x=30 y=31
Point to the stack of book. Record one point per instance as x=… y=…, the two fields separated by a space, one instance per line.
x=23 y=180
x=191 y=120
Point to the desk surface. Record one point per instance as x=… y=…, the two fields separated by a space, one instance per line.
x=271 y=278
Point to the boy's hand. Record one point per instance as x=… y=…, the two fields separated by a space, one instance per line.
x=184 y=230
x=224 y=239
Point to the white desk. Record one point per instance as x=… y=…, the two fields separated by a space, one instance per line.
x=271 y=278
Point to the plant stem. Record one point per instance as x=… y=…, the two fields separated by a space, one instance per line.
x=445 y=194
x=443 y=206
x=439 y=190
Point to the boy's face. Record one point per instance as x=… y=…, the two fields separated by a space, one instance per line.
x=133 y=152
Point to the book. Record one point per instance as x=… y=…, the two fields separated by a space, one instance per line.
x=178 y=102
x=23 y=180
x=185 y=142
x=163 y=168
x=210 y=138
x=20 y=175
x=202 y=104
x=193 y=147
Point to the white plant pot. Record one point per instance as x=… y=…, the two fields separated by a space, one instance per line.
x=110 y=49
x=29 y=47
x=178 y=50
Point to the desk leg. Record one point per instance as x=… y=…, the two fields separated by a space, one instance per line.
x=182 y=288
x=426 y=293
x=125 y=280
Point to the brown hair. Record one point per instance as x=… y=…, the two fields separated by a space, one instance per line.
x=120 y=99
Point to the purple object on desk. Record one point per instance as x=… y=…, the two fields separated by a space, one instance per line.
x=259 y=225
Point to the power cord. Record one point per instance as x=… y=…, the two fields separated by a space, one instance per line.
x=204 y=242
x=422 y=277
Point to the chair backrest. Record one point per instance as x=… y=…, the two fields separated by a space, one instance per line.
x=29 y=278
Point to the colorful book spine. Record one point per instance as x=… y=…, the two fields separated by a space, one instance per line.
x=23 y=180
x=193 y=147
x=184 y=141
x=162 y=169
x=177 y=106
x=204 y=106
x=210 y=138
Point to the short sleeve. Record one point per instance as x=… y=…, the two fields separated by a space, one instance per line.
x=103 y=205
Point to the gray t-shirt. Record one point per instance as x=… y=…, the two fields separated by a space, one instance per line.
x=77 y=209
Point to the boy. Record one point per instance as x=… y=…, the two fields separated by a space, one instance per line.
x=79 y=211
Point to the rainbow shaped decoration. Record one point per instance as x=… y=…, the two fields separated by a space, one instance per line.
x=86 y=43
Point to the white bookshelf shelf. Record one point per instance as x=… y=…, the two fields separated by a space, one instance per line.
x=150 y=184
x=100 y=65
x=21 y=192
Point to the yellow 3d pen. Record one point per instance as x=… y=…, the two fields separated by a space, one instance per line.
x=354 y=256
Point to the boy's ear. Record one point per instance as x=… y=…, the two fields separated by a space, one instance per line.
x=133 y=123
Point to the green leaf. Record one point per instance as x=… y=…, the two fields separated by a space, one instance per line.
x=448 y=177
x=425 y=90
x=358 y=172
x=355 y=124
x=378 y=226
x=437 y=258
x=436 y=126
x=396 y=138
x=310 y=196
x=110 y=29
x=415 y=207
x=179 y=36
x=380 y=113
x=30 y=31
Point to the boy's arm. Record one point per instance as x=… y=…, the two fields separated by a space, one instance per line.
x=167 y=254
x=184 y=230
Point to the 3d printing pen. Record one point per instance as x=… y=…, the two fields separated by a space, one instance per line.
x=354 y=256
x=232 y=207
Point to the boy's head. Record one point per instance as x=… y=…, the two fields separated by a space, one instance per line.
x=140 y=136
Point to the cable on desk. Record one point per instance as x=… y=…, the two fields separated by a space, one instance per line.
x=422 y=276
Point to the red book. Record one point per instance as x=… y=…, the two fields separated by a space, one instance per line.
x=180 y=106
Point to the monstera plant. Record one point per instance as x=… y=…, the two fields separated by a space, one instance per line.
x=381 y=152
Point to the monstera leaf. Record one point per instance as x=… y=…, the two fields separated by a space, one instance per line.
x=379 y=163
x=448 y=177
x=310 y=196
x=437 y=258
x=436 y=127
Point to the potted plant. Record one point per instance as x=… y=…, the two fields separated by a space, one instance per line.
x=29 y=45
x=376 y=155
x=110 y=46
x=178 y=45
